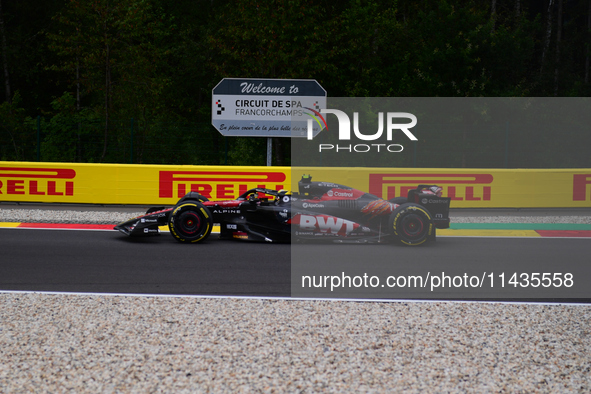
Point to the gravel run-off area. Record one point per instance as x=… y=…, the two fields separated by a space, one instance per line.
x=89 y=343
x=86 y=343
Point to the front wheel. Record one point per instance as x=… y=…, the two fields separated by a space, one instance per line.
x=411 y=224
x=190 y=222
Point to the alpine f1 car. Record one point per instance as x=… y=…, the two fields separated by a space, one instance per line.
x=318 y=211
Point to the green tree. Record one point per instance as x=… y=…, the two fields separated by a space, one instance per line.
x=68 y=135
x=17 y=141
x=24 y=52
x=114 y=52
x=279 y=39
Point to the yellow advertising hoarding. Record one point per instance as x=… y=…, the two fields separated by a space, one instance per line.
x=131 y=184
x=469 y=188
x=164 y=185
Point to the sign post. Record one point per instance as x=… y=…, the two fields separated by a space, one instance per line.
x=268 y=108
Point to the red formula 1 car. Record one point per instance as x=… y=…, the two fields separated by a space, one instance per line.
x=318 y=211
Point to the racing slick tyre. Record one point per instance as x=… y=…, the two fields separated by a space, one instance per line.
x=411 y=224
x=398 y=200
x=190 y=222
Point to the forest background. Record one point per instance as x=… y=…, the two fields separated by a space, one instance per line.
x=129 y=81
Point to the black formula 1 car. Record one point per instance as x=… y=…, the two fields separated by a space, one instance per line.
x=318 y=211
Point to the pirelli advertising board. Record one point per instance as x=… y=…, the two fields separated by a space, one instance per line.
x=470 y=188
x=130 y=184
x=146 y=184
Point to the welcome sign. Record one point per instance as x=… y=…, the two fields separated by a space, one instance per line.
x=266 y=107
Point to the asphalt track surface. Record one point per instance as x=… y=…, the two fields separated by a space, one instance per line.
x=108 y=262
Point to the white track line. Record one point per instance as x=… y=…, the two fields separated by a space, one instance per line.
x=375 y=300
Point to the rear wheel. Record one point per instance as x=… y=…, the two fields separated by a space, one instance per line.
x=411 y=224
x=190 y=222
x=398 y=200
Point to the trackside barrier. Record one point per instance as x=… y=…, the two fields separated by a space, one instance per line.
x=131 y=184
x=164 y=185
x=470 y=188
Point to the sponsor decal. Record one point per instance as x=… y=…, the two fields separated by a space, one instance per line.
x=37 y=181
x=311 y=205
x=326 y=184
x=240 y=235
x=458 y=187
x=216 y=184
x=339 y=193
x=326 y=224
x=231 y=203
x=231 y=226
x=434 y=201
x=304 y=233
x=225 y=211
